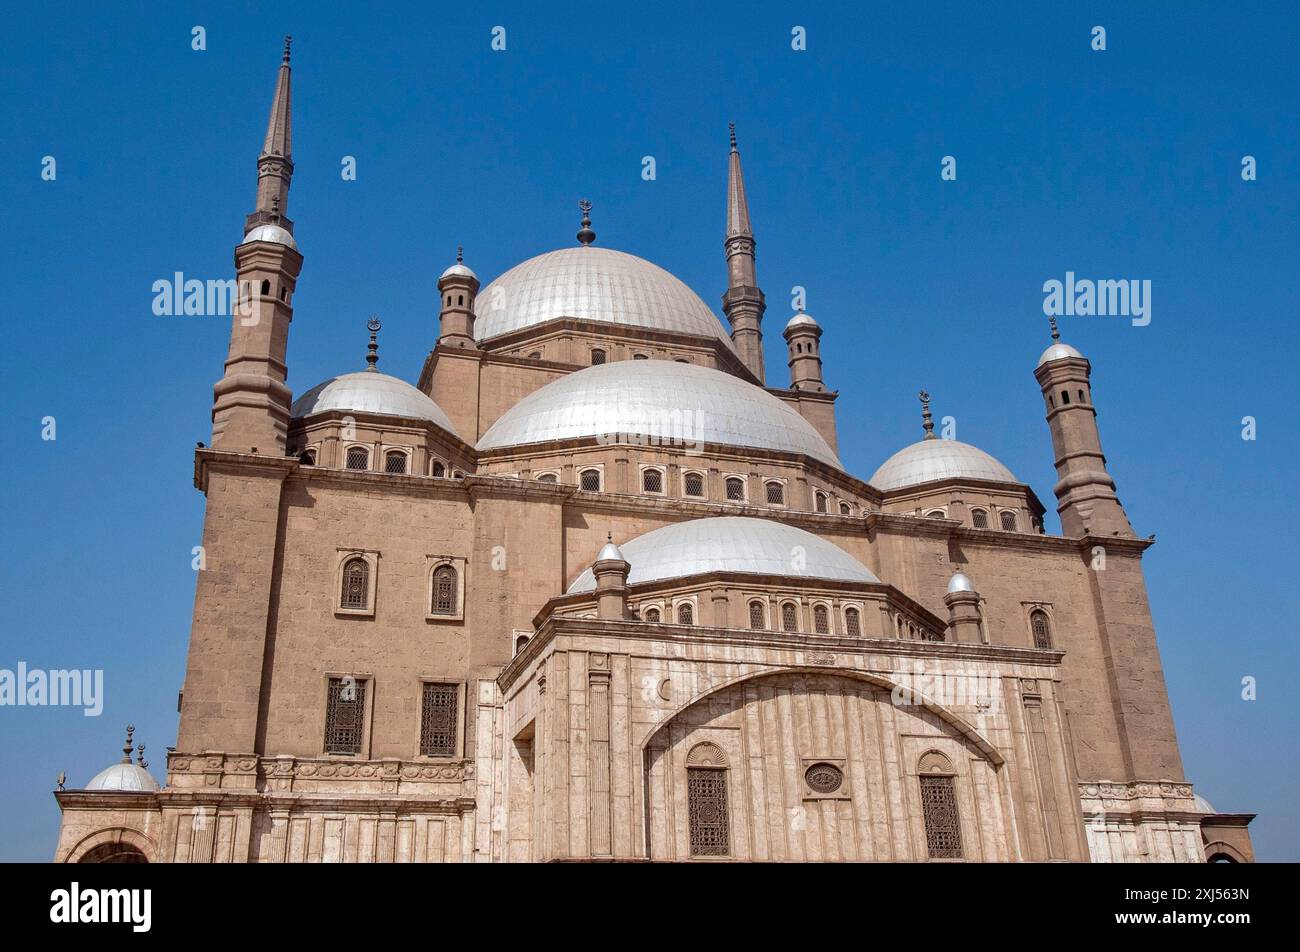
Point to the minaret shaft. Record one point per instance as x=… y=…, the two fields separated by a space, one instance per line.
x=743 y=303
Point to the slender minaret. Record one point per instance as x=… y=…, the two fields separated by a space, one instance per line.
x=457 y=287
x=743 y=303
x=250 y=410
x=1084 y=489
x=803 y=341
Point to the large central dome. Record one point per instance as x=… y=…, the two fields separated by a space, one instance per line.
x=662 y=400
x=592 y=284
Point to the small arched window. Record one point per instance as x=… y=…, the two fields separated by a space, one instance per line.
x=444 y=591
x=735 y=489
x=1008 y=520
x=821 y=620
x=979 y=518
x=775 y=494
x=1042 y=630
x=757 y=621
x=535 y=355
x=898 y=625
x=1065 y=397
x=846 y=509
x=438 y=469
x=548 y=478
x=457 y=474
x=640 y=357
x=652 y=481
x=356 y=584
x=589 y=480
x=936 y=514
x=821 y=502
x=694 y=484
x=266 y=287
x=685 y=614
x=460 y=300
x=652 y=615
x=395 y=462
x=521 y=643
x=307 y=457
x=597 y=357
x=1081 y=396
x=789 y=617
x=852 y=621
x=284 y=296
x=358 y=457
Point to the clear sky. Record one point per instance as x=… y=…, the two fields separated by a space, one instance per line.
x=1117 y=164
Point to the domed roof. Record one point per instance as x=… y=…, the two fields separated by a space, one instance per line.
x=368 y=391
x=801 y=319
x=960 y=583
x=123 y=777
x=1057 y=351
x=733 y=544
x=663 y=399
x=460 y=270
x=592 y=284
x=929 y=460
x=272 y=233
x=1202 y=805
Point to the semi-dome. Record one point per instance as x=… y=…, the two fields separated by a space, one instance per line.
x=933 y=459
x=657 y=399
x=272 y=233
x=368 y=391
x=592 y=284
x=733 y=544
x=123 y=777
x=1057 y=351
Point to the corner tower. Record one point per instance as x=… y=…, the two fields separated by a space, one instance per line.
x=457 y=288
x=743 y=303
x=250 y=409
x=803 y=341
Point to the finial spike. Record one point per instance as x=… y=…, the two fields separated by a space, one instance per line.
x=731 y=127
x=372 y=350
x=126 y=749
x=288 y=41
x=1056 y=333
x=460 y=254
x=585 y=235
x=609 y=536
x=927 y=420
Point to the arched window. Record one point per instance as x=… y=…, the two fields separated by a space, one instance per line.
x=939 y=807
x=548 y=478
x=438 y=469
x=597 y=357
x=266 y=287
x=936 y=514
x=979 y=518
x=1065 y=397
x=460 y=300
x=307 y=457
x=775 y=494
x=685 y=614
x=1008 y=520
x=652 y=615
x=395 y=462
x=898 y=625
x=444 y=591
x=852 y=621
x=640 y=357
x=821 y=620
x=356 y=584
x=1042 y=630
x=846 y=509
x=521 y=643
x=789 y=617
x=589 y=480
x=652 y=481
x=706 y=801
x=694 y=484
x=457 y=474
x=735 y=489
x=535 y=355
x=820 y=502
x=358 y=457
x=756 y=615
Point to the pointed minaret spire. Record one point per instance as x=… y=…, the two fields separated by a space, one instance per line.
x=372 y=350
x=927 y=421
x=275 y=164
x=743 y=303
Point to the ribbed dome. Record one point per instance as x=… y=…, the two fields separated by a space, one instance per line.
x=663 y=399
x=593 y=284
x=929 y=460
x=369 y=391
x=123 y=777
x=733 y=544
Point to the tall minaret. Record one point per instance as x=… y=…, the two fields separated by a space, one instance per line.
x=250 y=409
x=1084 y=489
x=743 y=303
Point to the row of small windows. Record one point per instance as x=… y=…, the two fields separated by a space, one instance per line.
x=693 y=487
x=599 y=356
x=911 y=631
x=266 y=291
x=396 y=462
x=345 y=716
x=356 y=582
x=821 y=618
x=980 y=518
x=1065 y=398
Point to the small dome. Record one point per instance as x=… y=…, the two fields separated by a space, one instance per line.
x=609 y=553
x=960 y=583
x=929 y=460
x=368 y=391
x=800 y=320
x=459 y=270
x=272 y=233
x=1057 y=351
x=733 y=544
x=123 y=777
x=1202 y=805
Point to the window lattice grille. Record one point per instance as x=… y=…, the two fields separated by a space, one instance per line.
x=395 y=462
x=438 y=720
x=356 y=584
x=345 y=709
x=821 y=620
x=548 y=478
x=756 y=615
x=685 y=614
x=789 y=618
x=597 y=357
x=652 y=481
x=853 y=622
x=590 y=480
x=1008 y=521
x=439 y=469
x=706 y=796
x=942 y=826
x=444 y=591
x=1042 y=633
x=846 y=509
x=652 y=615
x=694 y=484
x=979 y=519
x=358 y=458
x=736 y=489
x=821 y=502
x=776 y=494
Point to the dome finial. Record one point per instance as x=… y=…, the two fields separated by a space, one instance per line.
x=288 y=41
x=139 y=750
x=731 y=127
x=1056 y=333
x=126 y=749
x=585 y=235
x=372 y=355
x=927 y=421
x=460 y=254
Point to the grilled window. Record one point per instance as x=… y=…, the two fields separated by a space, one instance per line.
x=395 y=462
x=597 y=357
x=735 y=489
x=942 y=826
x=756 y=616
x=846 y=509
x=1008 y=520
x=979 y=518
x=852 y=621
x=438 y=719
x=652 y=481
x=694 y=484
x=1042 y=632
x=444 y=591
x=776 y=494
x=358 y=457
x=307 y=457
x=438 y=468
x=356 y=584
x=821 y=620
x=821 y=502
x=685 y=614
x=706 y=797
x=548 y=478
x=652 y=615
x=345 y=711
x=589 y=479
x=789 y=618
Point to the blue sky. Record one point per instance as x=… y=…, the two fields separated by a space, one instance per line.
x=1117 y=164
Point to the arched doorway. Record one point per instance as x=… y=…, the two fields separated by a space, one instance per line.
x=114 y=853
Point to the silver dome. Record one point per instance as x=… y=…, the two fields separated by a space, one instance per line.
x=801 y=319
x=458 y=269
x=123 y=777
x=593 y=284
x=272 y=233
x=609 y=552
x=1202 y=805
x=660 y=399
x=1057 y=351
x=733 y=544
x=929 y=460
x=960 y=583
x=368 y=391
